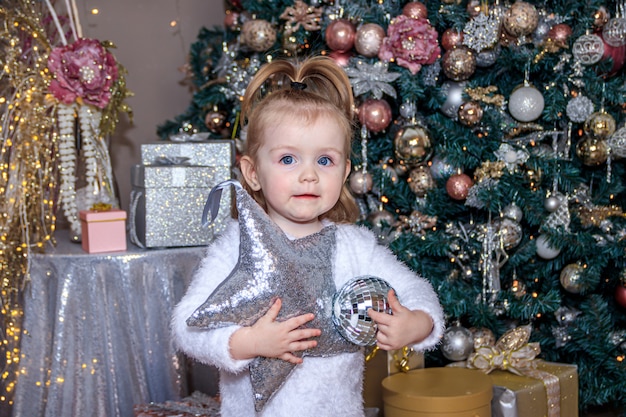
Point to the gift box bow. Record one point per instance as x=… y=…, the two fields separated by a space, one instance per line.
x=513 y=353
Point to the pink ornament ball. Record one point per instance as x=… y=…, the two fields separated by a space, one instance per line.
x=341 y=58
x=340 y=35
x=458 y=186
x=375 y=114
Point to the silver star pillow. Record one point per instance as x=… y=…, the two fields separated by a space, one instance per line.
x=271 y=266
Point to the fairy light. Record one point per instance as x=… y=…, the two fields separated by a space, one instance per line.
x=95 y=11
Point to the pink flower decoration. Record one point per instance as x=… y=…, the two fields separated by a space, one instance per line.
x=411 y=42
x=83 y=70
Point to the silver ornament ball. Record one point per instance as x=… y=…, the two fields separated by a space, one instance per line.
x=350 y=305
x=571 y=278
x=551 y=204
x=457 y=343
x=513 y=212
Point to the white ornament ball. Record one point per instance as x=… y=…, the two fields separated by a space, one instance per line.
x=614 y=32
x=579 y=109
x=545 y=250
x=588 y=49
x=526 y=103
x=457 y=343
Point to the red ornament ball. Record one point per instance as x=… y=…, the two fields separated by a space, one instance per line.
x=415 y=10
x=620 y=295
x=231 y=20
x=451 y=38
x=375 y=114
x=616 y=53
x=340 y=35
x=458 y=186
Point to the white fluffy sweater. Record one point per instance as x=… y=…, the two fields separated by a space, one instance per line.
x=319 y=387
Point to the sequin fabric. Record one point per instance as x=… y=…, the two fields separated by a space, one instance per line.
x=271 y=265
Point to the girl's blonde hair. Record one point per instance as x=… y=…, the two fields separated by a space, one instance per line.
x=282 y=90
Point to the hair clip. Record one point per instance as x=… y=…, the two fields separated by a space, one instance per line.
x=298 y=86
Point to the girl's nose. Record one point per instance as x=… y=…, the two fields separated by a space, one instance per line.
x=309 y=173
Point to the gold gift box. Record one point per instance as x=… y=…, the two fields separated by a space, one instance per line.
x=440 y=392
x=380 y=366
x=530 y=393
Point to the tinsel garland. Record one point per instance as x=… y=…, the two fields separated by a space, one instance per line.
x=28 y=140
x=39 y=155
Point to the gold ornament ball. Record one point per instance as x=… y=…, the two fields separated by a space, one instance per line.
x=259 y=35
x=470 y=113
x=521 y=19
x=482 y=337
x=368 y=39
x=413 y=145
x=591 y=151
x=420 y=180
x=599 y=125
x=458 y=186
x=459 y=63
x=571 y=278
x=361 y=182
x=600 y=17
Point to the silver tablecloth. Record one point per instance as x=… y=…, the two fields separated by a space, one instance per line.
x=96 y=335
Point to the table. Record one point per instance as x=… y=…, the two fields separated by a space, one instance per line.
x=96 y=335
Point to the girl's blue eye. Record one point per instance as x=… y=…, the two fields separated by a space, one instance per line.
x=325 y=161
x=287 y=160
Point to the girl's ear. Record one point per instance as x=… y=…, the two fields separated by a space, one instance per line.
x=348 y=169
x=248 y=170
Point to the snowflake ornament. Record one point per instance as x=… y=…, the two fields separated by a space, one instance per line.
x=482 y=32
x=371 y=78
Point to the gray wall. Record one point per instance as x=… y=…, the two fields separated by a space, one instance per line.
x=152 y=52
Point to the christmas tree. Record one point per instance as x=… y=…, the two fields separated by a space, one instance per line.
x=489 y=155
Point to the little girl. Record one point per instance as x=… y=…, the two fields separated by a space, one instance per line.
x=299 y=131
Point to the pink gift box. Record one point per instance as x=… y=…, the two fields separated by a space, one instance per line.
x=103 y=231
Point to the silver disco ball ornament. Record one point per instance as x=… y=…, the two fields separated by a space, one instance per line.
x=350 y=305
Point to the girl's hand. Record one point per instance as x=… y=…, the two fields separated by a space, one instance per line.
x=402 y=328
x=274 y=339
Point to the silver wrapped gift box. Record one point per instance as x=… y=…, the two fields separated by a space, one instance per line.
x=170 y=188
